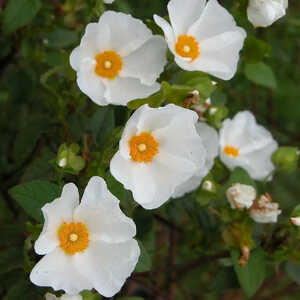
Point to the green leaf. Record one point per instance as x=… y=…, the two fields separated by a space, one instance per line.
x=154 y=100
x=28 y=136
x=255 y=50
x=253 y=274
x=87 y=295
x=102 y=124
x=197 y=81
x=239 y=175
x=144 y=264
x=261 y=74
x=175 y=93
x=32 y=196
x=19 y=13
x=61 y=38
x=293 y=271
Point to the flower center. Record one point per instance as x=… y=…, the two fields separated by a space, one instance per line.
x=187 y=46
x=231 y=151
x=109 y=64
x=143 y=147
x=73 y=237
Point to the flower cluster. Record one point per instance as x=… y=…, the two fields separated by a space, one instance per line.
x=164 y=152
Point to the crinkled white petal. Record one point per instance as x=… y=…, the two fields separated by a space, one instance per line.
x=127 y=33
x=121 y=90
x=108 y=265
x=147 y=62
x=254 y=142
x=90 y=83
x=95 y=40
x=241 y=196
x=58 y=270
x=265 y=13
x=184 y=13
x=99 y=210
x=180 y=154
x=210 y=142
x=55 y=213
x=265 y=217
x=168 y=32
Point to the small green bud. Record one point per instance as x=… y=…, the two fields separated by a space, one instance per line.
x=286 y=158
x=216 y=114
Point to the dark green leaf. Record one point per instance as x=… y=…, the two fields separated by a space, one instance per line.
x=154 y=100
x=144 y=264
x=253 y=274
x=255 y=50
x=19 y=13
x=239 y=175
x=261 y=74
x=293 y=271
x=61 y=38
x=32 y=196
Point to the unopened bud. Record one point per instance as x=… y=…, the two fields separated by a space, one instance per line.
x=286 y=158
x=63 y=162
x=208 y=185
x=296 y=221
x=241 y=196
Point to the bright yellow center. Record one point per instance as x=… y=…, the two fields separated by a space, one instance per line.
x=143 y=147
x=187 y=46
x=231 y=151
x=109 y=64
x=73 y=237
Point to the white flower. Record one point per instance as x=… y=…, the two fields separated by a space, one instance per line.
x=49 y=296
x=210 y=142
x=203 y=37
x=118 y=60
x=159 y=150
x=108 y=1
x=241 y=196
x=87 y=245
x=295 y=221
x=246 y=144
x=263 y=13
x=264 y=210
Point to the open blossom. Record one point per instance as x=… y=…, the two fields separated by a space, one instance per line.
x=263 y=13
x=87 y=245
x=49 y=296
x=118 y=60
x=264 y=210
x=244 y=143
x=160 y=149
x=203 y=37
x=210 y=141
x=241 y=196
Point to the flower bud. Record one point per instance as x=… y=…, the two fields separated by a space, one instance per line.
x=216 y=114
x=241 y=196
x=295 y=221
x=264 y=210
x=209 y=186
x=286 y=158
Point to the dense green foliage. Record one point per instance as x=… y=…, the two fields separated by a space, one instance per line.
x=190 y=246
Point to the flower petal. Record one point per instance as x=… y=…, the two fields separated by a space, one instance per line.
x=100 y=211
x=184 y=13
x=122 y=90
x=214 y=20
x=127 y=33
x=91 y=84
x=55 y=213
x=58 y=271
x=147 y=70
x=108 y=265
x=168 y=31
